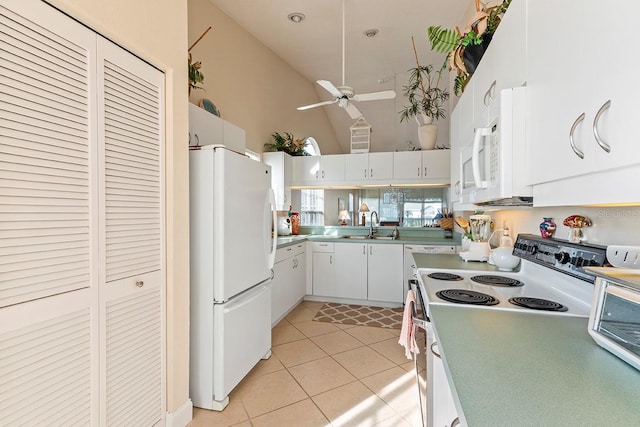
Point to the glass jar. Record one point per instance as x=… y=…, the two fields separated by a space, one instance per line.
x=295 y=223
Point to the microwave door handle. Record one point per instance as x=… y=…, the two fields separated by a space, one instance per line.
x=475 y=156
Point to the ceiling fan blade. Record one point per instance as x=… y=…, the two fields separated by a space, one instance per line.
x=319 y=104
x=353 y=111
x=374 y=96
x=329 y=87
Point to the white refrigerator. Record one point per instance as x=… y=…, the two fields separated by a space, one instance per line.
x=232 y=252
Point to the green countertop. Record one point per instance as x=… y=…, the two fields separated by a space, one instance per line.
x=284 y=241
x=530 y=369
x=451 y=262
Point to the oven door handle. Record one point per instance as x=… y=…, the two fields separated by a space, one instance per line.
x=420 y=322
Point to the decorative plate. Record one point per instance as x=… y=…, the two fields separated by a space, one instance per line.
x=209 y=106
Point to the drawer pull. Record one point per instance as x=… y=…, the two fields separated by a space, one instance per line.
x=139 y=283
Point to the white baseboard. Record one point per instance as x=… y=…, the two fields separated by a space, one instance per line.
x=182 y=416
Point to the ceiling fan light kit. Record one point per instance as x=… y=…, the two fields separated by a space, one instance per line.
x=344 y=95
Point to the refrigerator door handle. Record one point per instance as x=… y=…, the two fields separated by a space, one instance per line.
x=274 y=228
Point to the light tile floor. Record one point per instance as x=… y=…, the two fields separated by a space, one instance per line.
x=324 y=374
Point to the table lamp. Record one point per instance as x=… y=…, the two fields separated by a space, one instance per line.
x=363 y=208
x=343 y=216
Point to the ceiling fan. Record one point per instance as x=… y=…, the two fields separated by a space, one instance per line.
x=344 y=95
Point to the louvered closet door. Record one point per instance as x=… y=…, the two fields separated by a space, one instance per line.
x=48 y=214
x=131 y=129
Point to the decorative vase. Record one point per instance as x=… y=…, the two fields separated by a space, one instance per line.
x=547 y=228
x=427 y=133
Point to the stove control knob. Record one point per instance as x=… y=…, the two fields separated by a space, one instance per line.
x=562 y=257
x=532 y=249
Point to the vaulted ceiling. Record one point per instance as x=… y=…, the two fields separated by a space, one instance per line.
x=314 y=48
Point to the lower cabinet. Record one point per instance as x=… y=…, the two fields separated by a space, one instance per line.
x=288 y=286
x=364 y=271
x=385 y=272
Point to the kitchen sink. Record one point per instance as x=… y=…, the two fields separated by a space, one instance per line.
x=361 y=237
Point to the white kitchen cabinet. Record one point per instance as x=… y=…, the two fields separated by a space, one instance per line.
x=288 y=286
x=318 y=170
x=281 y=177
x=503 y=65
x=82 y=310
x=323 y=266
x=385 y=271
x=206 y=128
x=425 y=166
x=368 y=167
x=351 y=270
x=566 y=89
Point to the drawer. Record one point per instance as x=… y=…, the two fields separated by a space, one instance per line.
x=322 y=246
x=290 y=251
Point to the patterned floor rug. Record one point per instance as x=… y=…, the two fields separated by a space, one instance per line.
x=362 y=315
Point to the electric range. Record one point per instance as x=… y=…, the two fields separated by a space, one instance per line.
x=551 y=279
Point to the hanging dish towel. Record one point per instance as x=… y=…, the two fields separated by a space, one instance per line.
x=408 y=331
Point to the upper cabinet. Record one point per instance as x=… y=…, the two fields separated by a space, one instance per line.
x=318 y=170
x=369 y=167
x=427 y=166
x=208 y=129
x=281 y=177
x=503 y=65
x=581 y=111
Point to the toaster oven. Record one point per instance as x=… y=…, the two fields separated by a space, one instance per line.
x=614 y=322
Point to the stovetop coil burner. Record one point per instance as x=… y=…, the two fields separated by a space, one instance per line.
x=463 y=296
x=496 y=280
x=445 y=276
x=537 y=304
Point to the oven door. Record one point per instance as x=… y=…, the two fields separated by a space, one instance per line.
x=615 y=320
x=475 y=165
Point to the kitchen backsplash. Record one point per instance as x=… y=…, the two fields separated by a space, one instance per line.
x=611 y=225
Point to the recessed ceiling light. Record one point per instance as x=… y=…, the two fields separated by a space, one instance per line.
x=296 y=17
x=371 y=32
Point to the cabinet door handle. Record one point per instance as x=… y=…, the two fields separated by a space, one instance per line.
x=455 y=422
x=457 y=187
x=139 y=283
x=435 y=353
x=571 y=141
x=330 y=259
x=365 y=173
x=370 y=250
x=317 y=174
x=418 y=171
x=364 y=249
x=425 y=171
x=371 y=173
x=323 y=174
x=606 y=147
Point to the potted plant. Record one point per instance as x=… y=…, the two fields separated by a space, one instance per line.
x=286 y=142
x=465 y=50
x=426 y=100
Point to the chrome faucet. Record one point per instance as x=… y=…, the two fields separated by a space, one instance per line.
x=371 y=231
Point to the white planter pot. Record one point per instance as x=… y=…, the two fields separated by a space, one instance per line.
x=427 y=132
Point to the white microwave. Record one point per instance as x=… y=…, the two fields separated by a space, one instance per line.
x=492 y=168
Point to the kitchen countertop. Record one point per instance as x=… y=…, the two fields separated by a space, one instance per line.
x=284 y=241
x=451 y=262
x=530 y=369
